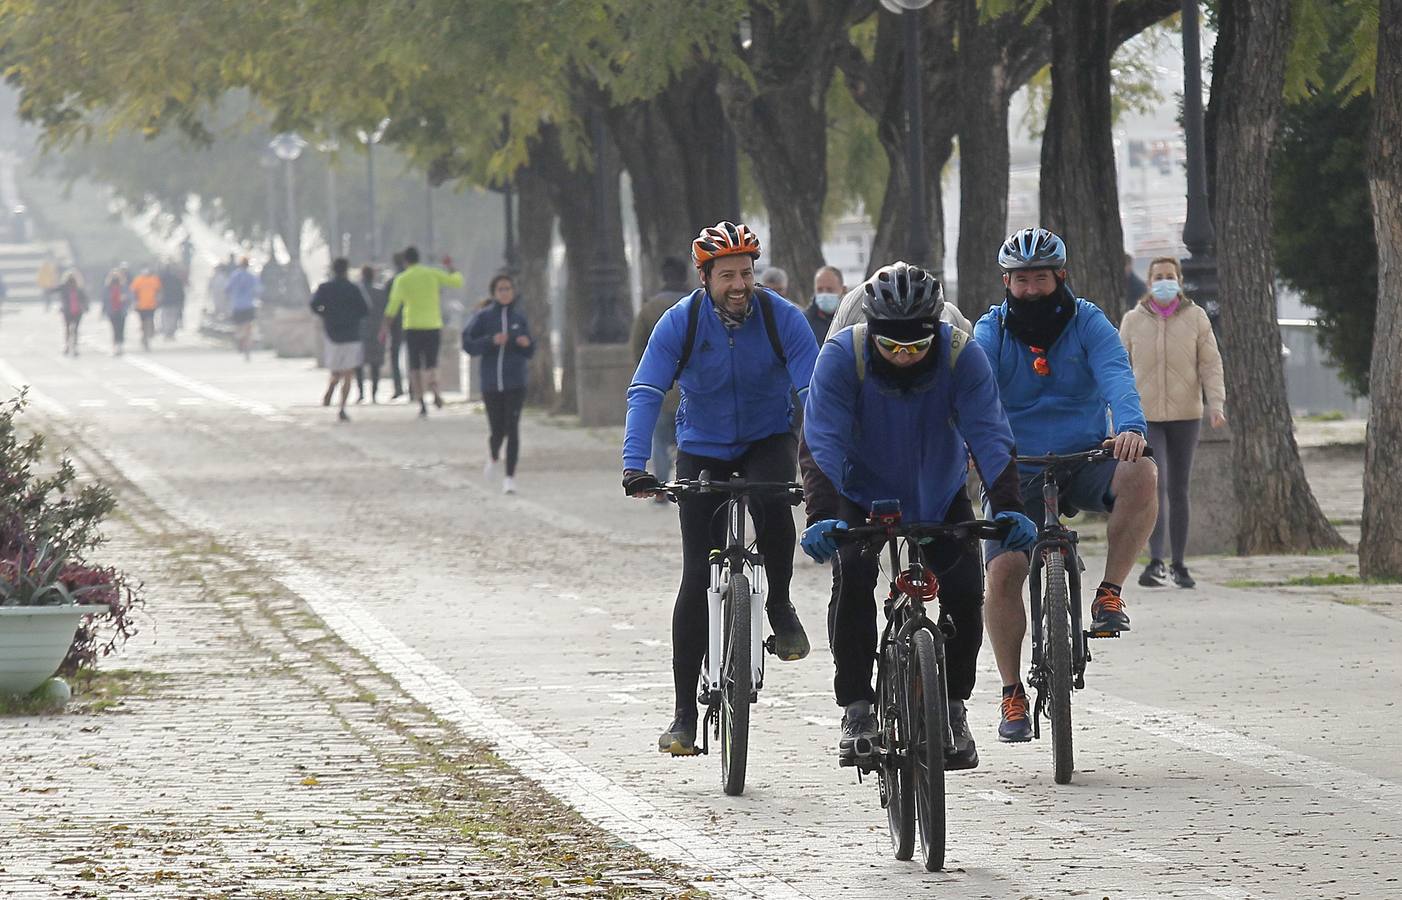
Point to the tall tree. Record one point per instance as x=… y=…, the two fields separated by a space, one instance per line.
x=1380 y=552
x=1079 y=195
x=1248 y=78
x=536 y=229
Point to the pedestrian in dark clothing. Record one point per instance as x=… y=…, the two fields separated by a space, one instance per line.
x=342 y=308
x=172 y=300
x=116 y=300
x=73 y=300
x=664 y=436
x=396 y=331
x=374 y=348
x=828 y=291
x=500 y=335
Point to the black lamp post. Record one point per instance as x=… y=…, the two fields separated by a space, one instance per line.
x=333 y=215
x=370 y=139
x=918 y=239
x=606 y=281
x=288 y=147
x=1200 y=268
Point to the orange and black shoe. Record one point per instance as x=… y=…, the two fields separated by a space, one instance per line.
x=1015 y=726
x=1107 y=611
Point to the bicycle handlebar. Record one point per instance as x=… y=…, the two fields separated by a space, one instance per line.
x=733 y=486
x=1052 y=459
x=976 y=528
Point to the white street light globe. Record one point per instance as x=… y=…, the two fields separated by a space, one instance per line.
x=900 y=6
x=288 y=146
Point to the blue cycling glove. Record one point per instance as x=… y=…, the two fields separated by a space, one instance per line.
x=819 y=540
x=1021 y=535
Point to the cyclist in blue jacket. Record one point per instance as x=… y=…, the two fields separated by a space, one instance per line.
x=1064 y=378
x=894 y=403
x=738 y=353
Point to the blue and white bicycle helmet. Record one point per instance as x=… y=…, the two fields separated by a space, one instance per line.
x=1032 y=248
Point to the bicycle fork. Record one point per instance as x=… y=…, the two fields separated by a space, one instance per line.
x=715 y=645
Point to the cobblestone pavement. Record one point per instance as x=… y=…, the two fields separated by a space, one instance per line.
x=1231 y=746
x=245 y=752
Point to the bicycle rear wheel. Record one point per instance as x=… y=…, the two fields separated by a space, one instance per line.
x=928 y=711
x=895 y=776
x=736 y=678
x=1057 y=610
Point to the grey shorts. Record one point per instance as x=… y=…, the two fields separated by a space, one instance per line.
x=1085 y=487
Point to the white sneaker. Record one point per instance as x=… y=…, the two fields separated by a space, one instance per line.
x=489 y=469
x=508 y=485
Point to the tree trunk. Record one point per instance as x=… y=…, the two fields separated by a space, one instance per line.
x=571 y=193
x=984 y=158
x=1279 y=513
x=536 y=226
x=781 y=120
x=1380 y=551
x=676 y=177
x=1079 y=196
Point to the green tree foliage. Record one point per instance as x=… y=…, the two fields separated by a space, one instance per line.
x=1324 y=244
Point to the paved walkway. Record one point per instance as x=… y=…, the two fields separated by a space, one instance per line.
x=245 y=752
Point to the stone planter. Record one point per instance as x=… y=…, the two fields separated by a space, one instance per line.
x=33 y=641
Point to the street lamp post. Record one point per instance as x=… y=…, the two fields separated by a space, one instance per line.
x=333 y=217
x=288 y=146
x=508 y=197
x=918 y=240
x=607 y=281
x=1200 y=268
x=370 y=139
x=429 y=239
x=268 y=162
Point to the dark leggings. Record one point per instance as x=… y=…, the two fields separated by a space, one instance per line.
x=1174 y=444
x=119 y=328
x=504 y=417
x=852 y=617
x=703 y=525
x=374 y=380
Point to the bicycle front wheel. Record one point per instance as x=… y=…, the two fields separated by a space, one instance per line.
x=928 y=710
x=736 y=685
x=895 y=777
x=1057 y=609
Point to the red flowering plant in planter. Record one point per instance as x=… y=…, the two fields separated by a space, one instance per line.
x=48 y=526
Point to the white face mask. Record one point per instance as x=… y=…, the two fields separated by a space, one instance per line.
x=827 y=302
x=1164 y=290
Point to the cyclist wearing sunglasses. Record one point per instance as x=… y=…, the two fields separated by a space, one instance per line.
x=1061 y=367
x=738 y=353
x=897 y=404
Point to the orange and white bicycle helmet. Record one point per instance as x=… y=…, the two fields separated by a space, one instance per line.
x=723 y=239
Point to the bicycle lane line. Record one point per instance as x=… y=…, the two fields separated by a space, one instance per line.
x=596 y=797
x=1299 y=768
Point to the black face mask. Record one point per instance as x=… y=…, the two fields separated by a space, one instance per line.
x=1039 y=322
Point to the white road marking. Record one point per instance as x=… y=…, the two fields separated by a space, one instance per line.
x=36 y=396
x=624 y=626
x=169 y=375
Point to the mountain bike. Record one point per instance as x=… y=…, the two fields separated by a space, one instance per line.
x=912 y=703
x=732 y=672
x=1059 y=643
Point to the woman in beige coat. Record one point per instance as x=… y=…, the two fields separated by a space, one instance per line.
x=1176 y=363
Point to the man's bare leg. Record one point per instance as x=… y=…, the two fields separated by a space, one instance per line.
x=1136 y=490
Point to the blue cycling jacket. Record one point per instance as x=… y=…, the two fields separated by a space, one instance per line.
x=1064 y=411
x=734 y=391
x=875 y=441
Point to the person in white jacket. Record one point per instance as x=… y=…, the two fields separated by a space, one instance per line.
x=1176 y=362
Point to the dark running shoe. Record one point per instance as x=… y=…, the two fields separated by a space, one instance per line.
x=1181 y=576
x=790 y=640
x=965 y=755
x=680 y=737
x=856 y=730
x=1154 y=574
x=1015 y=726
x=1107 y=612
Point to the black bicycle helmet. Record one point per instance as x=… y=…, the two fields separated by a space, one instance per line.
x=902 y=291
x=1032 y=248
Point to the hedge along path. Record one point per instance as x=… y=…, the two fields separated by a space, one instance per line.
x=264 y=758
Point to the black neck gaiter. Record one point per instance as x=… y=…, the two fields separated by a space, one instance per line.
x=1039 y=322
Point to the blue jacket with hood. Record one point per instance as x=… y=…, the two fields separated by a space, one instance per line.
x=1066 y=410
x=734 y=391
x=874 y=440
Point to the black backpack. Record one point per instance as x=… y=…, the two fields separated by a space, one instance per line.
x=693 y=317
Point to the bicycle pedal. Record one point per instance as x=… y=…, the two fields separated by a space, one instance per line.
x=1102 y=634
x=769 y=645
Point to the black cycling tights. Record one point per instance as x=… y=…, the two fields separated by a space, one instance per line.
x=504 y=419
x=852 y=614
x=703 y=524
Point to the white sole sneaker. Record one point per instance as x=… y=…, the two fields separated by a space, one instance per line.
x=508 y=485
x=489 y=469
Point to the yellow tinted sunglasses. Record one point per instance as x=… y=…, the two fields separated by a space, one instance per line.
x=898 y=347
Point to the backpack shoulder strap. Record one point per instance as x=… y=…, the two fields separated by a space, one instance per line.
x=859 y=349
x=958 y=340
x=766 y=311
x=693 y=317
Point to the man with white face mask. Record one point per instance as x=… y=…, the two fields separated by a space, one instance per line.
x=827 y=295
